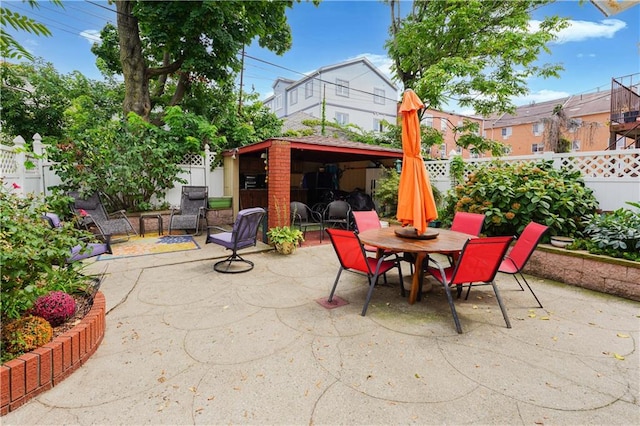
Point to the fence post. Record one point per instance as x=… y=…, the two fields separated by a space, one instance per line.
x=207 y=164
x=38 y=150
x=551 y=156
x=18 y=149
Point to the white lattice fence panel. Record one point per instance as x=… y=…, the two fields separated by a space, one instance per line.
x=193 y=160
x=437 y=169
x=605 y=165
x=8 y=164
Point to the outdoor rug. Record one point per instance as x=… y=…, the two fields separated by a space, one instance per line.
x=143 y=246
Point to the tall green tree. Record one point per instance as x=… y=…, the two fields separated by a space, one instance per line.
x=478 y=53
x=9 y=47
x=37 y=99
x=190 y=42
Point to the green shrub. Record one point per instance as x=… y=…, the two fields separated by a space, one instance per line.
x=512 y=195
x=387 y=192
x=30 y=252
x=143 y=158
x=615 y=234
x=24 y=335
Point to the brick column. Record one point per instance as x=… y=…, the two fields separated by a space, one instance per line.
x=279 y=182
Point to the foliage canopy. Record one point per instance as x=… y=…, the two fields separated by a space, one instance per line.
x=479 y=53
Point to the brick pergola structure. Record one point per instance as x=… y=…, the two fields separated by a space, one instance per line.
x=282 y=151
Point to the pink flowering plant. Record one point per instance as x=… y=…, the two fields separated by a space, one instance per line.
x=32 y=254
x=56 y=307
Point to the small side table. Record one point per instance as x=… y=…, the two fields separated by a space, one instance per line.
x=157 y=217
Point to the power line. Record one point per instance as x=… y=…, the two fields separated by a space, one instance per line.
x=318 y=79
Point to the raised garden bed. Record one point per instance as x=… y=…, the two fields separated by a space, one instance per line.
x=27 y=376
x=579 y=268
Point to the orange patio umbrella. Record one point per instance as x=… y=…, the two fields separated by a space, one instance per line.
x=416 y=205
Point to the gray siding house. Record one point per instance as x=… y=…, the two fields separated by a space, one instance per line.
x=355 y=92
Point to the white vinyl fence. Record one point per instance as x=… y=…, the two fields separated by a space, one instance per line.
x=614 y=176
x=33 y=174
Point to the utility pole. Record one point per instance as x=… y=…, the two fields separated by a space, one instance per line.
x=241 y=82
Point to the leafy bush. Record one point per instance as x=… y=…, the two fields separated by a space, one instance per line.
x=387 y=192
x=143 y=158
x=30 y=251
x=512 y=195
x=56 y=307
x=23 y=335
x=615 y=234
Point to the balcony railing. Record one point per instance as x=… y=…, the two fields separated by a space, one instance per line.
x=625 y=99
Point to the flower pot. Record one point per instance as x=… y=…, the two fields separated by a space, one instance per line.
x=285 y=247
x=561 y=241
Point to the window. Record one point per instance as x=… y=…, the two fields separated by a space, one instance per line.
x=443 y=150
x=537 y=148
x=458 y=150
x=342 y=118
x=620 y=143
x=575 y=145
x=378 y=96
x=538 y=128
x=308 y=89
x=342 y=87
x=428 y=120
x=443 y=125
x=293 y=97
x=278 y=102
x=377 y=125
x=506 y=132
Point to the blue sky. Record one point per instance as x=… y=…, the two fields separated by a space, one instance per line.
x=593 y=49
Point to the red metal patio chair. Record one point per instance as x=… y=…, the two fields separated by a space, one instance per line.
x=365 y=220
x=478 y=264
x=514 y=262
x=469 y=223
x=368 y=219
x=353 y=258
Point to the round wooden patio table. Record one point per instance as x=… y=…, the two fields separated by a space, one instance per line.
x=385 y=239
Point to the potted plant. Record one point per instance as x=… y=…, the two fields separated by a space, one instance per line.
x=285 y=238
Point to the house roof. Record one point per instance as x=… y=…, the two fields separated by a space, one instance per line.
x=322 y=149
x=574 y=106
x=347 y=63
x=294 y=121
x=327 y=68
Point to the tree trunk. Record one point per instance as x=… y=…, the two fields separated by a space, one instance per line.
x=136 y=98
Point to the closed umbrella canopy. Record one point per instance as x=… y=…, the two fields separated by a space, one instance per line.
x=416 y=205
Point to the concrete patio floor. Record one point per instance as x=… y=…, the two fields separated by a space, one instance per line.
x=187 y=345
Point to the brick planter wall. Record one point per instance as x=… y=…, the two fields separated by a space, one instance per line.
x=575 y=267
x=35 y=372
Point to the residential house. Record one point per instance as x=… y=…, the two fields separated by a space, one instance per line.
x=445 y=123
x=591 y=125
x=354 y=92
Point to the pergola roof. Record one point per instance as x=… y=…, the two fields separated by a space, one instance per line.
x=323 y=149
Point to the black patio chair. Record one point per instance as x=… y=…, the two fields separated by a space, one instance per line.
x=193 y=209
x=303 y=217
x=92 y=214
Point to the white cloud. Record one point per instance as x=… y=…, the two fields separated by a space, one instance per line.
x=584 y=30
x=382 y=62
x=92 y=36
x=540 y=96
